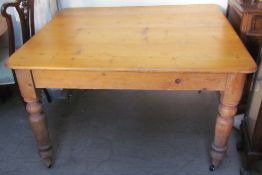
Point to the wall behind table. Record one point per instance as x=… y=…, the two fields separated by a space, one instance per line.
x=108 y=3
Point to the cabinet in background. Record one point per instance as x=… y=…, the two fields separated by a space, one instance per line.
x=246 y=18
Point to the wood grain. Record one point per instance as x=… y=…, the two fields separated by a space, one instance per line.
x=128 y=80
x=194 y=38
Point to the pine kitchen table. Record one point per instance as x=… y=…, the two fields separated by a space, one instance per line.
x=189 y=47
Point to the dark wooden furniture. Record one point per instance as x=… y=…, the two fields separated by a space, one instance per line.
x=251 y=126
x=251 y=142
x=25 y=10
x=4 y=90
x=3 y=26
x=246 y=18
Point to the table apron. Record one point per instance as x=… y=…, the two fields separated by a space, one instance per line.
x=129 y=80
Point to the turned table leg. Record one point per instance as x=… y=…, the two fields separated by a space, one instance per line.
x=37 y=118
x=224 y=123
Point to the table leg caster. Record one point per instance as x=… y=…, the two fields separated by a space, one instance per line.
x=48 y=162
x=46 y=156
x=212 y=168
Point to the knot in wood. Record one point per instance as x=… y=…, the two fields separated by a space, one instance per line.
x=178 y=81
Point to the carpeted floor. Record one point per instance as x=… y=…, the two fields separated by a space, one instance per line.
x=99 y=132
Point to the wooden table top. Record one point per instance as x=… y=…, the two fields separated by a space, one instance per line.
x=191 y=38
x=3 y=26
